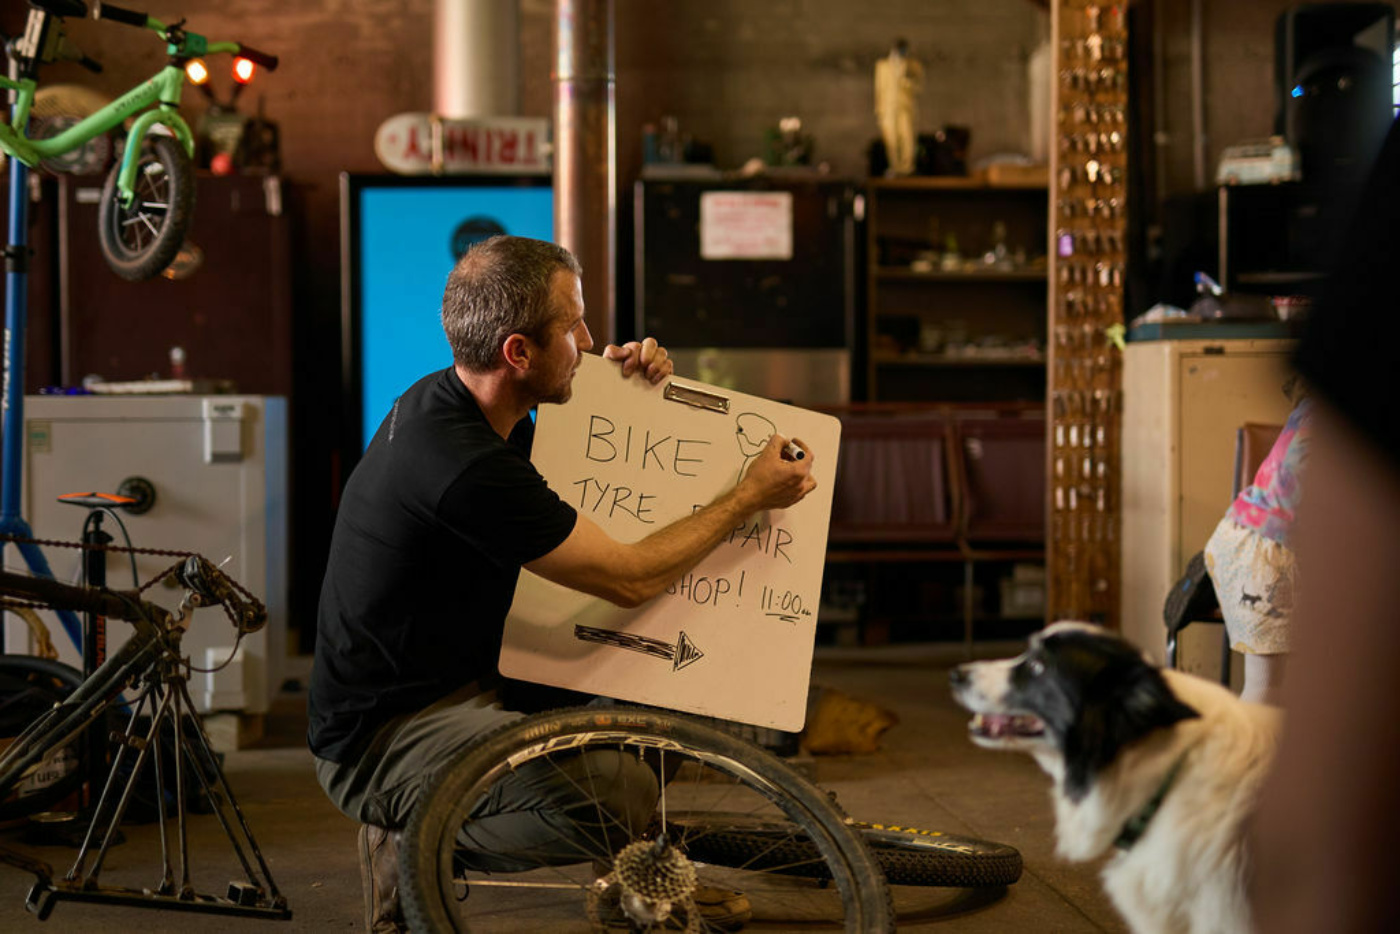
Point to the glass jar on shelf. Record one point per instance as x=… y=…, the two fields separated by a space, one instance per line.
x=998 y=255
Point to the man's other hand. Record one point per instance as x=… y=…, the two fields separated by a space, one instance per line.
x=646 y=357
x=777 y=481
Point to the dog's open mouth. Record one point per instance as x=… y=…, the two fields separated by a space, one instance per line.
x=1005 y=725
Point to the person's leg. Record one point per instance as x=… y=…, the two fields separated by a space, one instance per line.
x=542 y=813
x=379 y=788
x=553 y=812
x=1263 y=678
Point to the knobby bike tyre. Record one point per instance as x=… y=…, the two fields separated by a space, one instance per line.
x=907 y=856
x=705 y=769
x=30 y=687
x=141 y=241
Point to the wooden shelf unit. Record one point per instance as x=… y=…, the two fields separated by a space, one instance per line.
x=915 y=358
x=921 y=315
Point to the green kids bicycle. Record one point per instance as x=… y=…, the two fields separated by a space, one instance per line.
x=148 y=199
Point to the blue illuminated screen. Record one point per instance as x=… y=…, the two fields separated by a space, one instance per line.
x=410 y=238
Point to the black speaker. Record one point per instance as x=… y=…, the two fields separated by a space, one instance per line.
x=1333 y=74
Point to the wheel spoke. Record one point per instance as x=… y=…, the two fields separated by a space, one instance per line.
x=134 y=228
x=515 y=884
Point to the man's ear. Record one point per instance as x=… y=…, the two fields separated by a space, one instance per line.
x=516 y=350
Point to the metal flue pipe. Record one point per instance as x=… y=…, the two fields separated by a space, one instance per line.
x=585 y=150
x=476 y=58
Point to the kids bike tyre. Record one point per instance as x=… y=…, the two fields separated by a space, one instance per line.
x=30 y=687
x=907 y=856
x=704 y=768
x=141 y=241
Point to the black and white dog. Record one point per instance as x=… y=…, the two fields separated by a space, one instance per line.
x=1161 y=766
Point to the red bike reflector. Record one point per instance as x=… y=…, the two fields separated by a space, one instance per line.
x=243 y=70
x=197 y=71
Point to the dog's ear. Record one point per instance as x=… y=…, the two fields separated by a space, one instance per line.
x=1148 y=704
x=1129 y=703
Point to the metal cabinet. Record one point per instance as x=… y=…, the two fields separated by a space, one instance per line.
x=750 y=283
x=232 y=316
x=219 y=468
x=1183 y=401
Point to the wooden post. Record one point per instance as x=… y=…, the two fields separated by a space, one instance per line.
x=1088 y=266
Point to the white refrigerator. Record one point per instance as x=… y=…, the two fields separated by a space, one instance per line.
x=218 y=469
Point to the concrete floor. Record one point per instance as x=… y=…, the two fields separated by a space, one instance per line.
x=926 y=774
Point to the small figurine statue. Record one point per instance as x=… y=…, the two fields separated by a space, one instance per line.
x=898 y=81
x=786 y=144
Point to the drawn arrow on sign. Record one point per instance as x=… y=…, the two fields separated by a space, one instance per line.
x=683 y=653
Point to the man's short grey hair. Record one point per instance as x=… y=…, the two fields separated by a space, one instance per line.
x=500 y=287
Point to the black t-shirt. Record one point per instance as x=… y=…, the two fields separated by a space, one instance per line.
x=1345 y=353
x=433 y=527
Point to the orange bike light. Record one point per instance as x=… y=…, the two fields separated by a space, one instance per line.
x=197 y=71
x=243 y=70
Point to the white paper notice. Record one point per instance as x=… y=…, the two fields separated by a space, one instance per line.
x=746 y=225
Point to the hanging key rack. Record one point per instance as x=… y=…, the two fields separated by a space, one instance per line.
x=1088 y=230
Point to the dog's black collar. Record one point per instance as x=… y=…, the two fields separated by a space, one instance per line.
x=1136 y=825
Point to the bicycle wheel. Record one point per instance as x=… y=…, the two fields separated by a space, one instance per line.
x=906 y=856
x=30 y=687
x=140 y=241
x=620 y=871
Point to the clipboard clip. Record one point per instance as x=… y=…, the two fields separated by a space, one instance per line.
x=700 y=398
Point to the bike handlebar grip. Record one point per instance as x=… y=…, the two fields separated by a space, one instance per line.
x=258 y=58
x=119 y=14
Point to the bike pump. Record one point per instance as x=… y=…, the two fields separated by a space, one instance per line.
x=95 y=542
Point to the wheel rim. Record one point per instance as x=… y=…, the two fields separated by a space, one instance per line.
x=38 y=689
x=585 y=895
x=138 y=226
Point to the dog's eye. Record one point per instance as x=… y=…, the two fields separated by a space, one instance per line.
x=1035 y=666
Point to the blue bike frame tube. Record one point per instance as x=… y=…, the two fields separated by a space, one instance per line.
x=16 y=307
x=16 y=300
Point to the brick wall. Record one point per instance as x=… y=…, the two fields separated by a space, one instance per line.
x=727 y=69
x=730 y=69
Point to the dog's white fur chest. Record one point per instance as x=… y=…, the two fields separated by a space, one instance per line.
x=1187 y=871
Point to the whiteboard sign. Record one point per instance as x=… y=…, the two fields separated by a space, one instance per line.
x=746 y=225
x=731 y=638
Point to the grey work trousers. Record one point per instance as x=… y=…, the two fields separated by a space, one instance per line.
x=545 y=813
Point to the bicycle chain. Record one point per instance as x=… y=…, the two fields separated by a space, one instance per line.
x=127 y=549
